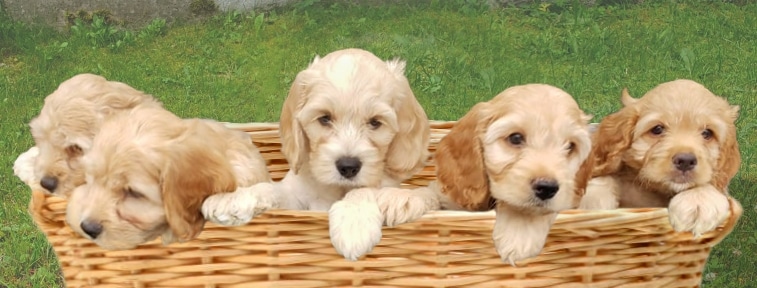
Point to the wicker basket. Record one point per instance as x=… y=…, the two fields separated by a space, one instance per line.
x=618 y=248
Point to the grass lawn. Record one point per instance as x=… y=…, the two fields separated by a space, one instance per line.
x=237 y=67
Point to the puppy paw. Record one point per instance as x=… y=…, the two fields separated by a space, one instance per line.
x=698 y=210
x=239 y=207
x=511 y=249
x=23 y=167
x=355 y=227
x=401 y=206
x=518 y=236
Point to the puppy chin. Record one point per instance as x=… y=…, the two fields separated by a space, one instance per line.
x=324 y=169
x=123 y=240
x=517 y=193
x=673 y=179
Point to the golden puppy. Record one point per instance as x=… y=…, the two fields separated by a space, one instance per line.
x=350 y=121
x=675 y=147
x=524 y=153
x=148 y=173
x=66 y=125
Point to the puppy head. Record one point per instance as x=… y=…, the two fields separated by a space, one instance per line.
x=350 y=119
x=68 y=122
x=148 y=173
x=677 y=136
x=526 y=148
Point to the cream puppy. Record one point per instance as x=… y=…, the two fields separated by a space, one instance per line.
x=148 y=173
x=64 y=129
x=350 y=120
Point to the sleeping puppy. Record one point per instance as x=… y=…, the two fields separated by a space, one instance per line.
x=148 y=173
x=675 y=147
x=523 y=153
x=350 y=120
x=65 y=127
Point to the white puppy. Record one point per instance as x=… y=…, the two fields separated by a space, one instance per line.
x=350 y=121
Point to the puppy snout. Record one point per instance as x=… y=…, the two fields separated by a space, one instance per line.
x=545 y=189
x=49 y=183
x=91 y=228
x=685 y=161
x=348 y=166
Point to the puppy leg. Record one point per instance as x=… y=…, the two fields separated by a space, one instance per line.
x=355 y=223
x=602 y=193
x=400 y=206
x=239 y=207
x=519 y=235
x=23 y=167
x=698 y=210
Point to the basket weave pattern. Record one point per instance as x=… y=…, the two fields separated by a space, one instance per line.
x=284 y=248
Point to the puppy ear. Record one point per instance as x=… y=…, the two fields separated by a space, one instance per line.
x=408 y=152
x=582 y=178
x=730 y=157
x=196 y=168
x=613 y=137
x=119 y=96
x=460 y=169
x=626 y=98
x=294 y=143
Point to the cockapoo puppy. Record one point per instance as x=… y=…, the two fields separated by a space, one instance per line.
x=523 y=153
x=148 y=173
x=674 y=147
x=350 y=121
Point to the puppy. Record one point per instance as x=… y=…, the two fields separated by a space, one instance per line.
x=65 y=127
x=675 y=147
x=525 y=153
x=148 y=173
x=350 y=120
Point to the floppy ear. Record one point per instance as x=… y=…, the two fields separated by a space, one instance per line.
x=196 y=168
x=613 y=137
x=294 y=143
x=460 y=169
x=582 y=178
x=408 y=151
x=730 y=157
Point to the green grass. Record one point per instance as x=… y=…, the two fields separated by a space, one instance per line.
x=238 y=66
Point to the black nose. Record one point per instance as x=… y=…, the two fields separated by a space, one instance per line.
x=685 y=161
x=348 y=166
x=92 y=228
x=545 y=189
x=49 y=183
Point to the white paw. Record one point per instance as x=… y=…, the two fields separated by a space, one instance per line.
x=510 y=249
x=519 y=236
x=698 y=210
x=239 y=207
x=401 y=206
x=601 y=194
x=23 y=167
x=354 y=227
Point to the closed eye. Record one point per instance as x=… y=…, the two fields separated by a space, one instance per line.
x=571 y=147
x=131 y=193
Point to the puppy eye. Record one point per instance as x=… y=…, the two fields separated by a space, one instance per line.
x=516 y=139
x=707 y=134
x=571 y=147
x=325 y=120
x=73 y=150
x=374 y=123
x=657 y=130
x=133 y=194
